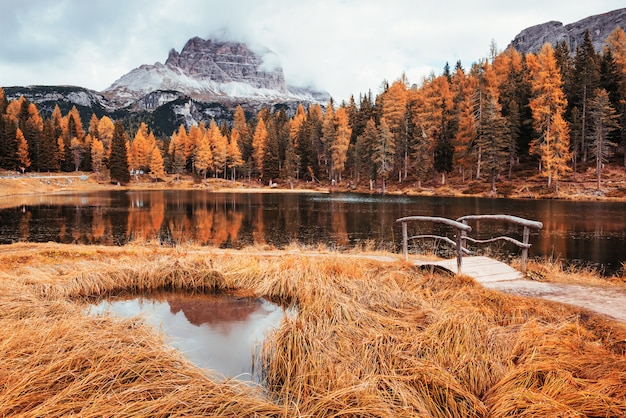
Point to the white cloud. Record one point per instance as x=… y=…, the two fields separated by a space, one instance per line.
x=345 y=47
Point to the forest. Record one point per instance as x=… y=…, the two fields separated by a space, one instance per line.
x=557 y=111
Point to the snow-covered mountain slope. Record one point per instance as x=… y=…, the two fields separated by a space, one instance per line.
x=209 y=71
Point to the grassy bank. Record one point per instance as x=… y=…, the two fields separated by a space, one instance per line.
x=369 y=339
x=524 y=186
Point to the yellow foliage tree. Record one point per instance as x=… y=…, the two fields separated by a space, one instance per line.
x=203 y=155
x=157 y=170
x=97 y=157
x=548 y=107
x=22 y=150
x=259 y=140
x=139 y=152
x=106 y=129
x=78 y=151
x=234 y=154
x=341 y=143
x=219 y=148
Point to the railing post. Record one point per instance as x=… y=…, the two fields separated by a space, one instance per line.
x=459 y=250
x=405 y=241
x=525 y=250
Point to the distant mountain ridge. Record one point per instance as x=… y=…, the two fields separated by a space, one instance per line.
x=600 y=27
x=205 y=81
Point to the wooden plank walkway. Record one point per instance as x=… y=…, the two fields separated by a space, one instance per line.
x=480 y=268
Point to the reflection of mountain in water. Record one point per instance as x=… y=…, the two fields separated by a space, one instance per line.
x=219 y=311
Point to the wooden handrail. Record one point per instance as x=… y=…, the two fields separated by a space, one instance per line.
x=506 y=218
x=526 y=223
x=461 y=230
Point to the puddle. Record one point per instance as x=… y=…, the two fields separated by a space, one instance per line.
x=217 y=332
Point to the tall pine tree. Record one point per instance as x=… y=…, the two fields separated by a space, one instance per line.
x=118 y=162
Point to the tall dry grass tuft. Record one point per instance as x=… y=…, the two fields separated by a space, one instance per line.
x=55 y=361
x=363 y=338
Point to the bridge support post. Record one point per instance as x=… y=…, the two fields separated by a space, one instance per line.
x=459 y=250
x=405 y=241
x=525 y=240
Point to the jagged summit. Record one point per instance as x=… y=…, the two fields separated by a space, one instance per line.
x=600 y=27
x=209 y=70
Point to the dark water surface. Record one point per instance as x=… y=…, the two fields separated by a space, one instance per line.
x=582 y=232
x=217 y=332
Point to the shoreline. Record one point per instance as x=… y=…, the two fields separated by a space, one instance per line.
x=25 y=185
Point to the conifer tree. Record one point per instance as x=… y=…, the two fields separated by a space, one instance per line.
x=364 y=151
x=384 y=151
x=8 y=143
x=22 y=150
x=140 y=152
x=586 y=78
x=271 y=152
x=157 y=170
x=328 y=135
x=77 y=151
x=97 y=157
x=548 y=107
x=234 y=160
x=219 y=149
x=339 y=147
x=106 y=129
x=393 y=112
x=494 y=141
x=49 y=148
x=603 y=120
x=177 y=154
x=259 y=140
x=615 y=80
x=118 y=161
x=245 y=136
x=204 y=156
x=3 y=101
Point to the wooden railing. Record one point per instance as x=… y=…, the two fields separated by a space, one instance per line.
x=462 y=228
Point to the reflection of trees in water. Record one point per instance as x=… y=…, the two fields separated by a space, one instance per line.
x=24 y=226
x=220 y=311
x=586 y=230
x=338 y=223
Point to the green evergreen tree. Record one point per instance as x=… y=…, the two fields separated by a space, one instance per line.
x=495 y=141
x=384 y=150
x=603 y=119
x=49 y=148
x=271 y=153
x=586 y=78
x=118 y=162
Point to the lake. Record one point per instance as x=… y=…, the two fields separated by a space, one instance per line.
x=592 y=233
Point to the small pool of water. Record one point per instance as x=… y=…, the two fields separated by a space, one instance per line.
x=218 y=332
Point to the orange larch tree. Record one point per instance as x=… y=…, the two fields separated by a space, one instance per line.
x=259 y=141
x=339 y=147
x=548 y=107
x=22 y=150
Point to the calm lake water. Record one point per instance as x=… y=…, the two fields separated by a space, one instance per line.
x=217 y=332
x=581 y=232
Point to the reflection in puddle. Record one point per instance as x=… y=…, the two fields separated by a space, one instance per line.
x=221 y=333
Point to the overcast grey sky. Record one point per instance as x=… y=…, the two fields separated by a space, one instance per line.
x=342 y=46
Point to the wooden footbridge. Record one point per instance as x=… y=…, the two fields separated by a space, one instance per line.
x=483 y=269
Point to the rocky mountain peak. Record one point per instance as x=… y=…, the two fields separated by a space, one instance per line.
x=600 y=27
x=225 y=62
x=212 y=71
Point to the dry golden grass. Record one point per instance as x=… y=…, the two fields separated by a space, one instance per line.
x=367 y=339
